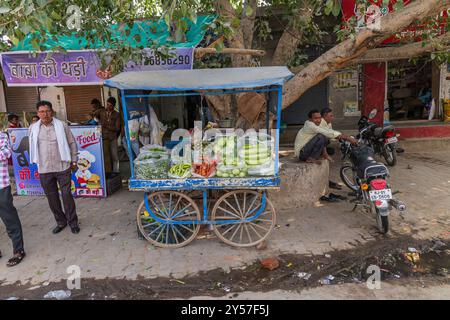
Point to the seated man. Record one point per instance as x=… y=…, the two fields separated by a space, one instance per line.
x=313 y=138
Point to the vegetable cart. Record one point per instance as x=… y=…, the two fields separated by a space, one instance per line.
x=241 y=214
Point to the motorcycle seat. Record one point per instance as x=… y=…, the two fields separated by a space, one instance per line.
x=371 y=168
x=379 y=132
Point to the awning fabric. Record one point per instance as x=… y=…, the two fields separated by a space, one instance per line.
x=200 y=79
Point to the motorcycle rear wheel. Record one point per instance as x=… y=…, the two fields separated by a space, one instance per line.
x=390 y=155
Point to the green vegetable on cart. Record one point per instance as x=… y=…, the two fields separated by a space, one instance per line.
x=181 y=170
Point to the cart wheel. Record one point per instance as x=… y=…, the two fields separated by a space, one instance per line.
x=240 y=205
x=169 y=206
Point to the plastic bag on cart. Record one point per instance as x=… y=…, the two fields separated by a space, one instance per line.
x=153 y=151
x=157 y=128
x=133 y=127
x=144 y=130
x=265 y=169
x=148 y=168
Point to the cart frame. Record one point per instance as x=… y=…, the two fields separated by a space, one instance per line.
x=244 y=185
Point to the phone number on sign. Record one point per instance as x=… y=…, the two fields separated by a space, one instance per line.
x=160 y=61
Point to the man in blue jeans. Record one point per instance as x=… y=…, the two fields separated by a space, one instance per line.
x=8 y=213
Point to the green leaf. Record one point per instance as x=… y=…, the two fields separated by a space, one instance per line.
x=219 y=47
x=398 y=5
x=167 y=20
x=25 y=28
x=248 y=11
x=328 y=7
x=29 y=9
x=4 y=10
x=336 y=8
x=236 y=22
x=13 y=39
x=55 y=15
x=42 y=3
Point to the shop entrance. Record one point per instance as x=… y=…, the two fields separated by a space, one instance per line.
x=410 y=90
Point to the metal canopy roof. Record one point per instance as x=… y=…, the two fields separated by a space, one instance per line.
x=200 y=79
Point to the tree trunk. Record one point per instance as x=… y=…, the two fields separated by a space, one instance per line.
x=248 y=23
x=286 y=47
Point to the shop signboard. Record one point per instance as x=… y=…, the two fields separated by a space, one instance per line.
x=79 y=67
x=88 y=179
x=71 y=68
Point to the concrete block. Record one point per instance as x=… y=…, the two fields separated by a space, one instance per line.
x=301 y=183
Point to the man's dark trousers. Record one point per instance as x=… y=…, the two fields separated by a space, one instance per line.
x=314 y=148
x=10 y=218
x=49 y=182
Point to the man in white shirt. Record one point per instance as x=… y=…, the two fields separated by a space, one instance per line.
x=313 y=138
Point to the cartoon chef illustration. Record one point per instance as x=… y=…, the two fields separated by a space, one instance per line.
x=83 y=174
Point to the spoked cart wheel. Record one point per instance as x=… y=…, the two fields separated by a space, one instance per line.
x=171 y=207
x=240 y=205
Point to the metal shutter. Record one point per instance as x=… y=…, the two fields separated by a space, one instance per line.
x=78 y=101
x=20 y=99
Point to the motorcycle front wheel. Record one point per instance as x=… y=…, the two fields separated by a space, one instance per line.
x=347 y=176
x=390 y=155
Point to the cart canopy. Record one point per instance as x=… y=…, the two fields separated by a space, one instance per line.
x=200 y=79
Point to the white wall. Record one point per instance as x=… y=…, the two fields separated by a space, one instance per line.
x=56 y=96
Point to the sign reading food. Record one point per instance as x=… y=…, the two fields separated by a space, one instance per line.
x=88 y=179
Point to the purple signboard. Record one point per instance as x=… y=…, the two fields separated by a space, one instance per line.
x=72 y=68
x=79 y=67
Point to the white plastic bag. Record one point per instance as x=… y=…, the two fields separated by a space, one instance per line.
x=157 y=128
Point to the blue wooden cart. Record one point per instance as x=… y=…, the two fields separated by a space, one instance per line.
x=242 y=215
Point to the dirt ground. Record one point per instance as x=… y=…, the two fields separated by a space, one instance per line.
x=328 y=239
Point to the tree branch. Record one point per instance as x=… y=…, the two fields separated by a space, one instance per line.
x=403 y=52
x=199 y=52
x=350 y=49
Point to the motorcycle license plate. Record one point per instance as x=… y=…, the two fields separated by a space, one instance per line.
x=383 y=194
x=391 y=140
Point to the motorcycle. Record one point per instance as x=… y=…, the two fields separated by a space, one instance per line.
x=370 y=182
x=383 y=140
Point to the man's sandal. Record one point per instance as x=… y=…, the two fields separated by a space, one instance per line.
x=16 y=259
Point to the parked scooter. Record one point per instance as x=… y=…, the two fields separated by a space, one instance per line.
x=383 y=140
x=369 y=180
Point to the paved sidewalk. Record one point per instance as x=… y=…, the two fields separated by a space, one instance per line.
x=108 y=246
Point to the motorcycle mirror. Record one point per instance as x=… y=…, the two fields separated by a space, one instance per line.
x=372 y=114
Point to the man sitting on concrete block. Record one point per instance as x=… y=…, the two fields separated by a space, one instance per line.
x=312 y=140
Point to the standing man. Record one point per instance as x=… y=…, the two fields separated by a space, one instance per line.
x=8 y=212
x=110 y=122
x=54 y=149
